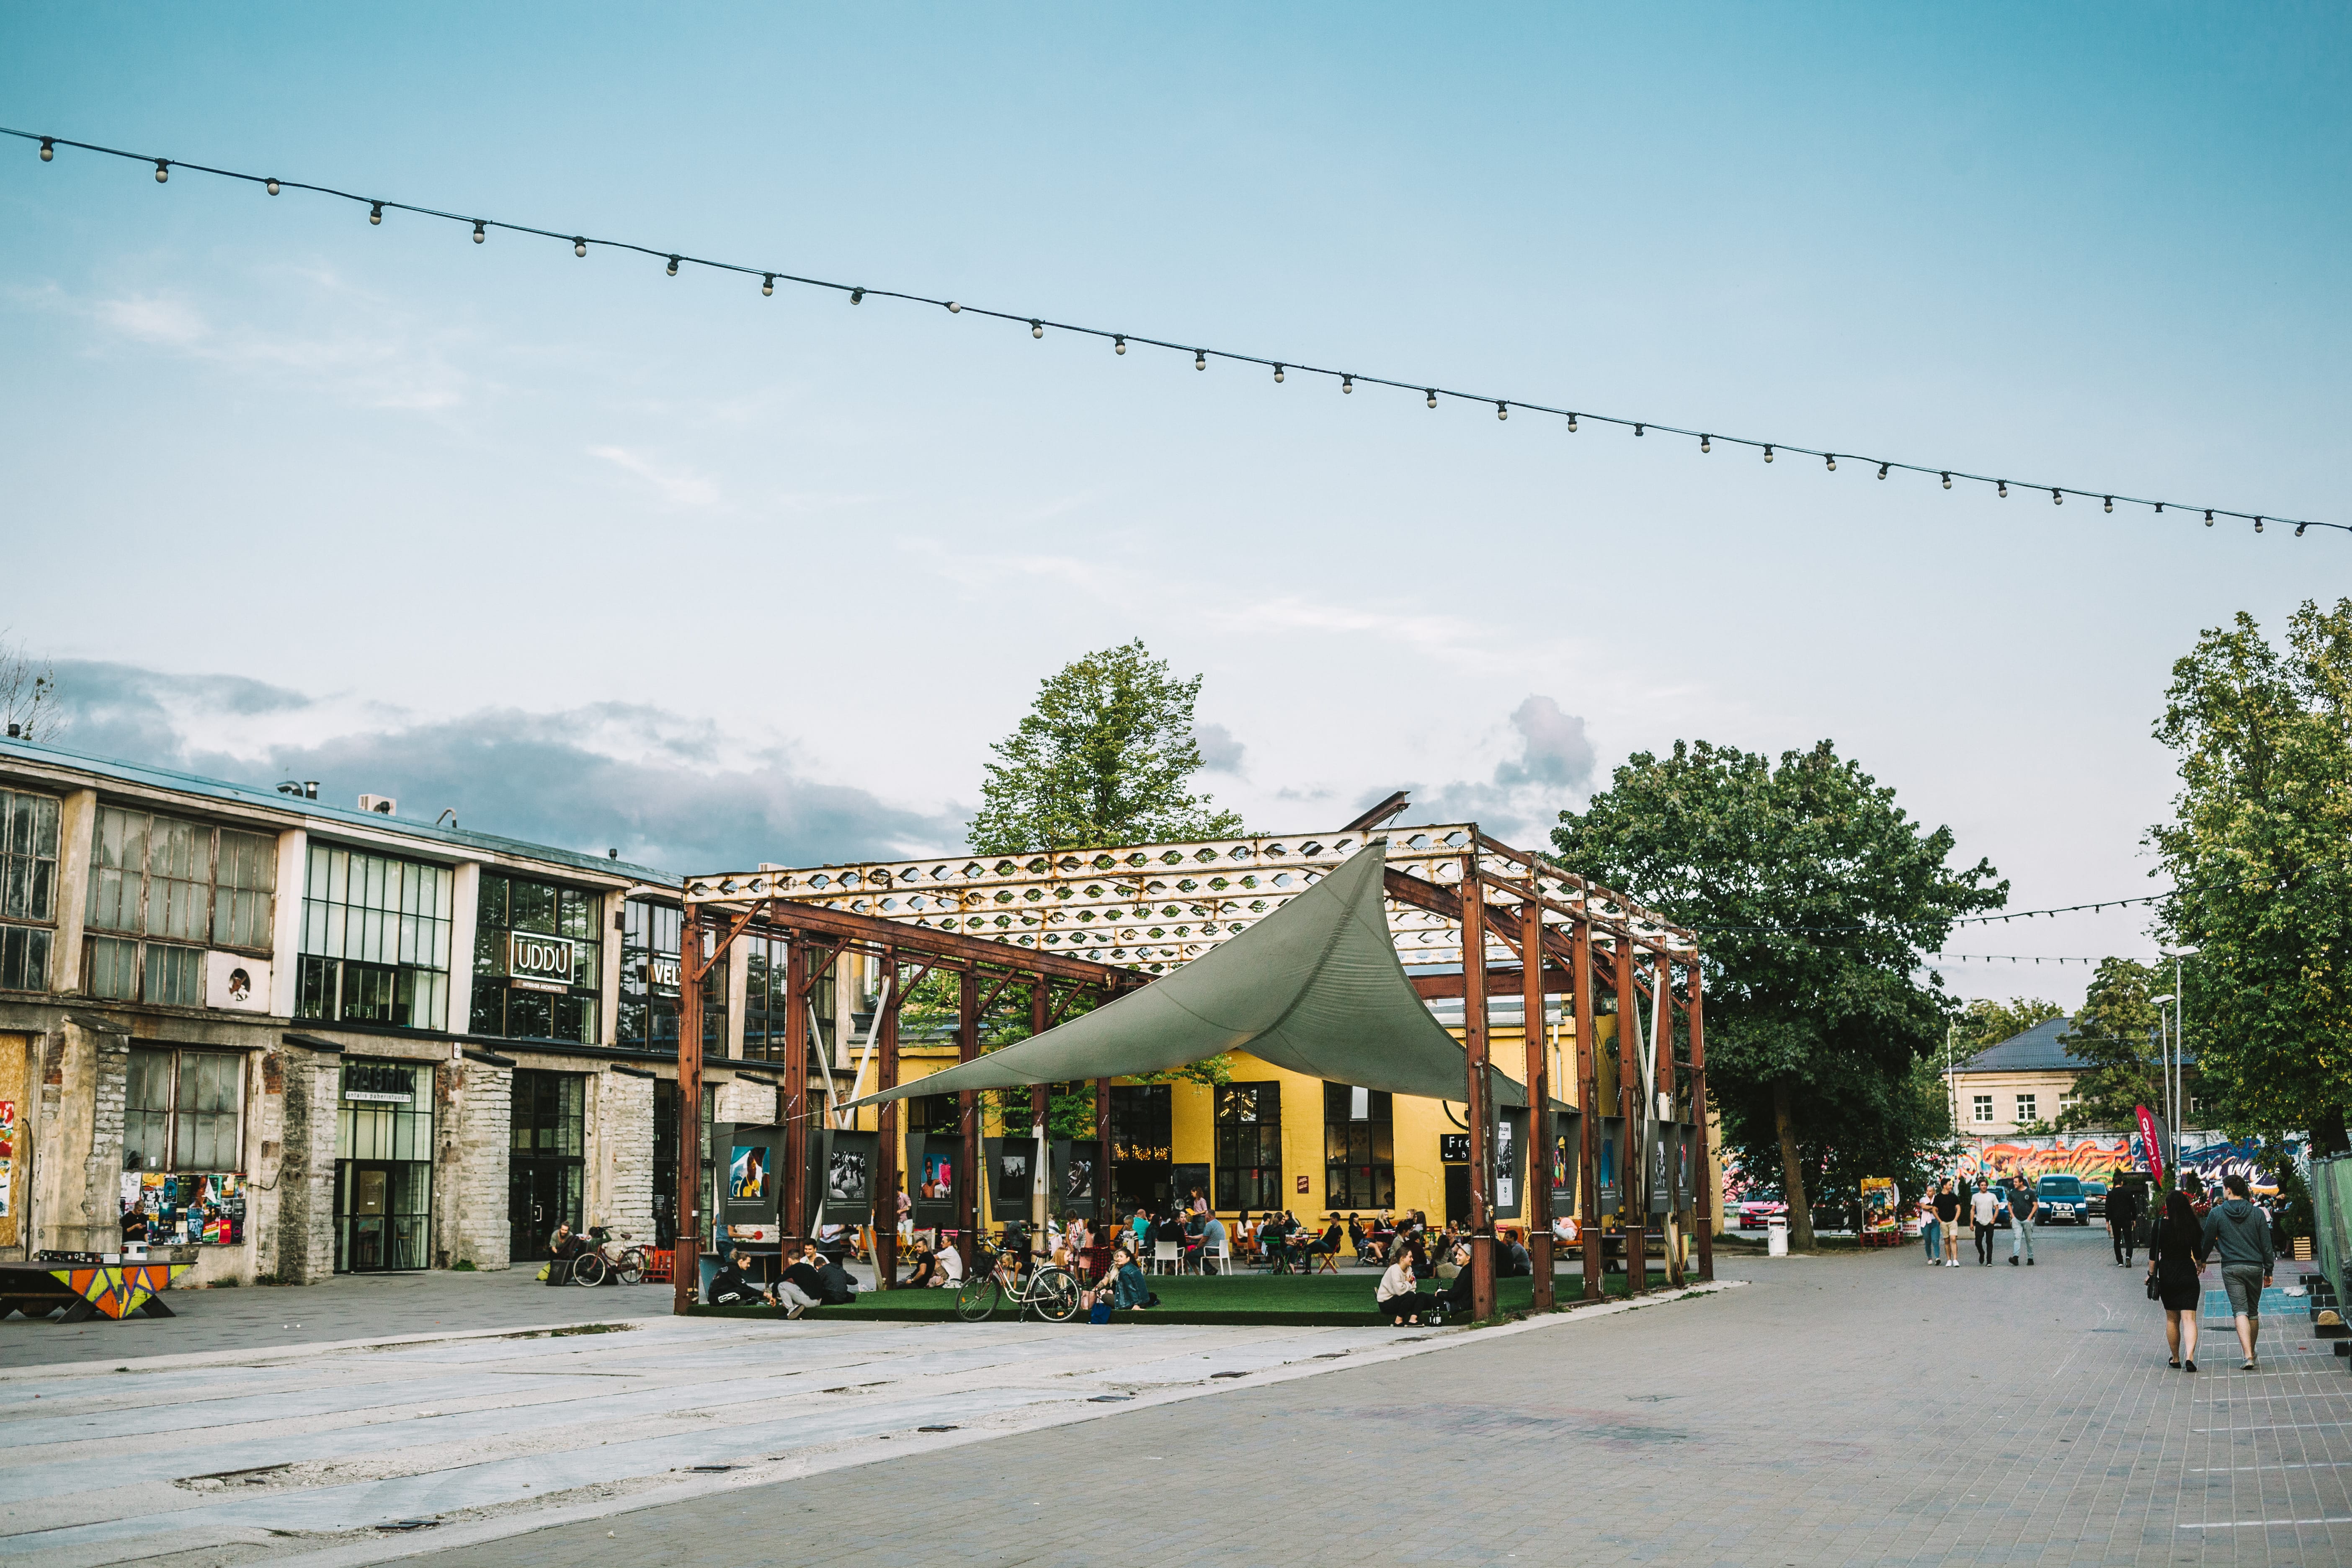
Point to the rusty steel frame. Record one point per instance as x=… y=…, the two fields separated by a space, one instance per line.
x=1115 y=919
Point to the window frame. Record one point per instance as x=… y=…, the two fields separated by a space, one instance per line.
x=1378 y=1128
x=168 y=1116
x=1237 y=1183
x=650 y=934
x=1981 y=1109
x=335 y=875
x=582 y=1000
x=28 y=884
x=126 y=932
x=2026 y=1108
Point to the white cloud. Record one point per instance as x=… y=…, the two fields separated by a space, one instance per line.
x=678 y=487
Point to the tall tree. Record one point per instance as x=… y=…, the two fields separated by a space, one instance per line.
x=2260 y=852
x=2114 y=1037
x=28 y=693
x=1106 y=755
x=1986 y=1022
x=1816 y=898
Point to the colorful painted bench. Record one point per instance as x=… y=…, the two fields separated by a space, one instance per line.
x=88 y=1290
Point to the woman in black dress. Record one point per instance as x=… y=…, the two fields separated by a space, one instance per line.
x=2174 y=1265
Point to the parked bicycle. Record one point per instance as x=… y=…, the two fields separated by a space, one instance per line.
x=1049 y=1291
x=605 y=1257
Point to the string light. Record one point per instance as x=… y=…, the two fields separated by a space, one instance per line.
x=2208 y=516
x=953 y=309
x=1278 y=371
x=47 y=145
x=2257 y=525
x=1347 y=384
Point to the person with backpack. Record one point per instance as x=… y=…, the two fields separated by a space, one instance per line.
x=2240 y=1234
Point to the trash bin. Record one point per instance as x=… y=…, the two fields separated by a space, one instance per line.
x=1776 y=1237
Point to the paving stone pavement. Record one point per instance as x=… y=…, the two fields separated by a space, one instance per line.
x=1857 y=1408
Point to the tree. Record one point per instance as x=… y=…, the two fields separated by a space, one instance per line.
x=28 y=693
x=1816 y=898
x=2114 y=1037
x=2260 y=853
x=1985 y=1023
x=1105 y=756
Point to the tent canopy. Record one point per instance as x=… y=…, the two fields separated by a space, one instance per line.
x=1314 y=987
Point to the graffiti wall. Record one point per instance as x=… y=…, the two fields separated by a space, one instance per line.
x=2214 y=1161
x=2091 y=1155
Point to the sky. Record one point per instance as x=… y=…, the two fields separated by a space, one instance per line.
x=593 y=555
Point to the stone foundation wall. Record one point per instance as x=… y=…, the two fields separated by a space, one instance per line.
x=621 y=1155
x=475 y=1194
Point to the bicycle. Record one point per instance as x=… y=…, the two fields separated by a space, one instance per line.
x=1049 y=1291
x=626 y=1264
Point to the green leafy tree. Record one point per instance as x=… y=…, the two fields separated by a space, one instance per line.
x=2114 y=1035
x=2260 y=853
x=1816 y=897
x=1985 y=1022
x=1105 y=756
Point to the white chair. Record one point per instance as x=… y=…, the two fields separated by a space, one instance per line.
x=1169 y=1254
x=1219 y=1253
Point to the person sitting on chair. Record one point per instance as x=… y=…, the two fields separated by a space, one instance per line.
x=1213 y=1245
x=731 y=1287
x=1328 y=1244
x=1273 y=1235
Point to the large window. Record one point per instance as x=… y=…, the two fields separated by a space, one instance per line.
x=384 y=1171
x=1981 y=1107
x=161 y=891
x=29 y=888
x=1358 y=1148
x=649 y=975
x=183 y=1111
x=1249 y=1146
x=766 y=1001
x=2025 y=1111
x=375 y=941
x=536 y=960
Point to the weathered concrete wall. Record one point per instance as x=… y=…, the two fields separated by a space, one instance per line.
x=306 y=1180
x=621 y=1155
x=78 y=1168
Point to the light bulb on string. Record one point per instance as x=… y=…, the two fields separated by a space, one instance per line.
x=1502 y=410
x=767 y=284
x=2004 y=489
x=1882 y=470
x=2257 y=525
x=2056 y=498
x=1278 y=375
x=1706 y=444
x=1767 y=452
x=1347 y=384
x=2159 y=509
x=857 y=295
x=673 y=266
x=375 y=212
x=1831 y=458
x=2299 y=528
x=1036 y=328
x=270 y=185
x=1200 y=359
x=1572 y=424
x=162 y=171
x=1432 y=398
x=1119 y=345
x=2208 y=516
x=480 y=234
x=1637 y=429
x=1947 y=481
x=48 y=149
x=579 y=246
x=2110 y=503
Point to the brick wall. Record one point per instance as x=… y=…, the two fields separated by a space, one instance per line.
x=475 y=1189
x=620 y=1147
x=306 y=1180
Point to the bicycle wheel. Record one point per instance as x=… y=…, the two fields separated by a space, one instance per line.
x=588 y=1268
x=632 y=1268
x=977 y=1300
x=1054 y=1295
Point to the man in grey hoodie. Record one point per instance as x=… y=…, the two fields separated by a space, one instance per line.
x=2240 y=1233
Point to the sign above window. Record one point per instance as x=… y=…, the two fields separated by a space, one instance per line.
x=536 y=963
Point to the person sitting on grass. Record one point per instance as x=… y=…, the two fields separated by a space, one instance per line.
x=802 y=1286
x=1132 y=1291
x=925 y=1272
x=950 y=1267
x=731 y=1287
x=840 y=1287
x=1396 y=1296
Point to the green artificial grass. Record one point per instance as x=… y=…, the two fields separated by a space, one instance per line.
x=1318 y=1301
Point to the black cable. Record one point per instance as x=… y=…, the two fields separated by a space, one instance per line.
x=857 y=293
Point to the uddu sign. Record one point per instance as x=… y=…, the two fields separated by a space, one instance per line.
x=539 y=962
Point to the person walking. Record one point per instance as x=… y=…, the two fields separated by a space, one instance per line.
x=1948 y=1220
x=1984 y=1210
x=2240 y=1234
x=2123 y=1214
x=1931 y=1230
x=2022 y=1207
x=2173 y=1263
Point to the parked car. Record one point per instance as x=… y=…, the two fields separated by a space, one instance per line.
x=2062 y=1201
x=2094 y=1195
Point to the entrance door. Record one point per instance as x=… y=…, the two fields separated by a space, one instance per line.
x=383 y=1214
x=544 y=1169
x=1457 y=1193
x=540 y=1194
x=371 y=1198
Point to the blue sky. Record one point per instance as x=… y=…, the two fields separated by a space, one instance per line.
x=475 y=525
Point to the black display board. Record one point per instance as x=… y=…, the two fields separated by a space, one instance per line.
x=844 y=1164
x=753 y=1192
x=1609 y=1160
x=1010 y=1176
x=936 y=1164
x=1074 y=1178
x=1662 y=1139
x=1511 y=1145
x=1566 y=1160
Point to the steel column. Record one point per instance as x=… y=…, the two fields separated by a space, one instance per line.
x=1588 y=1102
x=968 y=1119
x=1536 y=1205
x=1474 y=1047
x=1633 y=1168
x=1041 y=1174
x=887 y=1177
x=1663 y=994
x=1702 y=1169
x=686 y=1260
x=797 y=1110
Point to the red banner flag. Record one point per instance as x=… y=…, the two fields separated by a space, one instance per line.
x=2150 y=1145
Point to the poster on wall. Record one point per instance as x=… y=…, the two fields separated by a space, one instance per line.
x=1567 y=1156
x=1510 y=1143
x=237 y=984
x=183 y=1208
x=1608 y=1141
x=933 y=1163
x=7 y=1160
x=846 y=1164
x=1073 y=1176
